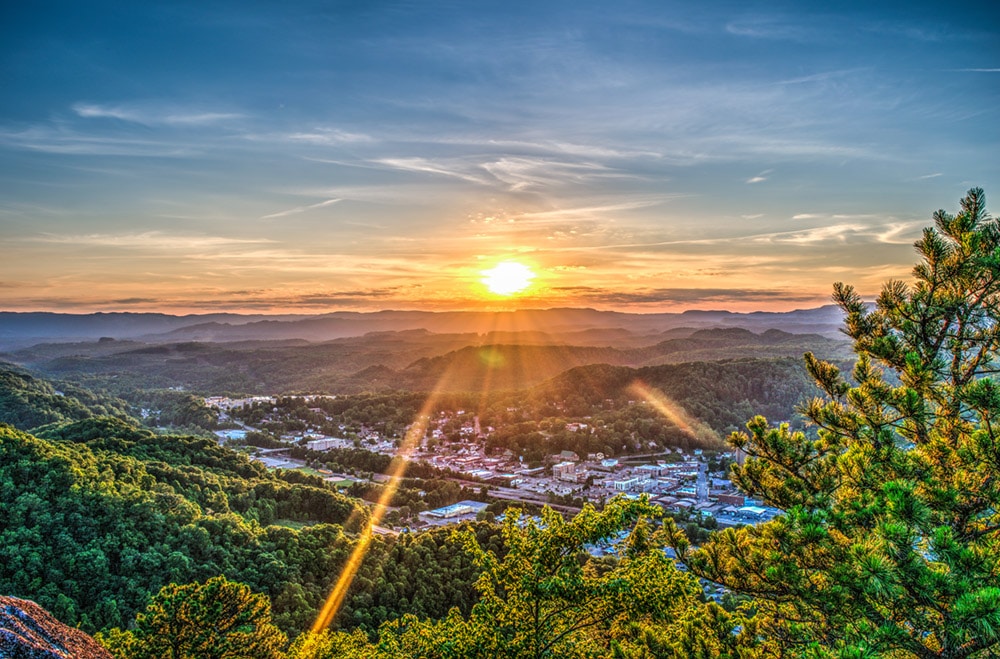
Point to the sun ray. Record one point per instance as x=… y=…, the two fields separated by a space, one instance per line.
x=563 y=355
x=407 y=448
x=674 y=413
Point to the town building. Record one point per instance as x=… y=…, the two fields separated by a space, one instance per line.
x=564 y=471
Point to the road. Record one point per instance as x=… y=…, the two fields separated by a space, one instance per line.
x=702 y=487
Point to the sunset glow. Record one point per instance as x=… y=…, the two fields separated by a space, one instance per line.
x=508 y=278
x=657 y=157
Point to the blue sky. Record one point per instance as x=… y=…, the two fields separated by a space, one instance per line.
x=362 y=155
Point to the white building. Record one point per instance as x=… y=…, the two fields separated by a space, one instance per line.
x=324 y=444
x=564 y=471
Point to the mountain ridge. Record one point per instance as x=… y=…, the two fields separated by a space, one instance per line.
x=20 y=329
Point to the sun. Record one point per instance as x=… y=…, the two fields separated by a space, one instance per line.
x=507 y=278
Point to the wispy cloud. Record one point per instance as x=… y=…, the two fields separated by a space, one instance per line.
x=147 y=240
x=926 y=31
x=135 y=300
x=64 y=141
x=818 y=77
x=301 y=209
x=598 y=210
x=98 y=112
x=509 y=173
x=757 y=144
x=200 y=118
x=889 y=232
x=152 y=116
x=899 y=233
x=978 y=70
x=525 y=173
x=768 y=28
x=683 y=296
x=760 y=178
x=845 y=230
x=263 y=299
x=927 y=176
x=836 y=232
x=428 y=166
x=556 y=148
x=329 y=136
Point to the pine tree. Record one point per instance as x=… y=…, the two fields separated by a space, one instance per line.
x=889 y=544
x=544 y=596
x=218 y=619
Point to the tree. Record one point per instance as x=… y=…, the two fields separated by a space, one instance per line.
x=544 y=598
x=218 y=619
x=890 y=539
x=543 y=595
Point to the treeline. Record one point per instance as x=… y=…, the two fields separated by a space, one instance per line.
x=539 y=594
x=362 y=462
x=173 y=409
x=28 y=402
x=388 y=413
x=722 y=394
x=414 y=495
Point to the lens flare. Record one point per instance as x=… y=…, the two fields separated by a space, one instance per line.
x=674 y=412
x=397 y=468
x=493 y=361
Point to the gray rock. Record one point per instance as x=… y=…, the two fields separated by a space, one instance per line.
x=27 y=631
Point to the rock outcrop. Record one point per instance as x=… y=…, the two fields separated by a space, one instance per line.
x=27 y=631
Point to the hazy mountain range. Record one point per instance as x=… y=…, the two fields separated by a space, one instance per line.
x=549 y=326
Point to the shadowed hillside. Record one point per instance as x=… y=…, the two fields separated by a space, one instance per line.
x=415 y=361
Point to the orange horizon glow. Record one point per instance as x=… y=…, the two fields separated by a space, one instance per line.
x=526 y=277
x=495 y=305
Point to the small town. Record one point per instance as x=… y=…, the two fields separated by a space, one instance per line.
x=693 y=484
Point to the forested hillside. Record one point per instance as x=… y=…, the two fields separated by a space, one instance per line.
x=102 y=514
x=27 y=401
x=414 y=361
x=722 y=394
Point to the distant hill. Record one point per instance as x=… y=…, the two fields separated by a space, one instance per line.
x=407 y=360
x=492 y=367
x=19 y=330
x=733 y=343
x=723 y=394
